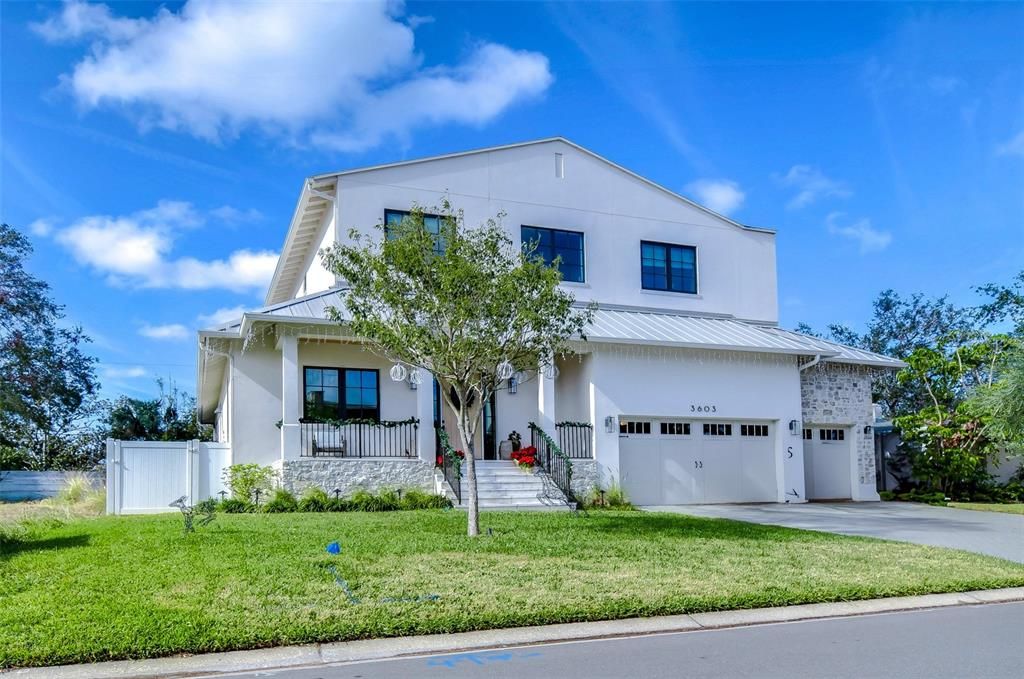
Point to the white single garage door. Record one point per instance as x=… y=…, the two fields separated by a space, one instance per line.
x=827 y=461
x=671 y=462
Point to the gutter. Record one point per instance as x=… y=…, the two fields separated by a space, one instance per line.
x=816 y=361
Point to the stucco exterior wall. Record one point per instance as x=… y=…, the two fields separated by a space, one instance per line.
x=256 y=408
x=351 y=475
x=614 y=211
x=840 y=395
x=667 y=382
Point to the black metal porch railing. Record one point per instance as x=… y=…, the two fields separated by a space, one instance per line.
x=575 y=439
x=358 y=438
x=450 y=463
x=552 y=460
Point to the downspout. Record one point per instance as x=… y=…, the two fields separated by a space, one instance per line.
x=811 y=364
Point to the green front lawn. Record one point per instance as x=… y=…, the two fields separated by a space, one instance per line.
x=135 y=587
x=1016 y=508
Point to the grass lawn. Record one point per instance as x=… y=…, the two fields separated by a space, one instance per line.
x=990 y=507
x=134 y=587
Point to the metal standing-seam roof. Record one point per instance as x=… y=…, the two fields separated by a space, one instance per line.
x=628 y=326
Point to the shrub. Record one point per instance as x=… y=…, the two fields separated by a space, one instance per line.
x=282 y=501
x=234 y=506
x=207 y=506
x=314 y=500
x=614 y=498
x=244 y=479
x=417 y=499
x=339 y=504
x=365 y=501
x=886 y=495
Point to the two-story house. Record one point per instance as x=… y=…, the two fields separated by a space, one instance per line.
x=685 y=390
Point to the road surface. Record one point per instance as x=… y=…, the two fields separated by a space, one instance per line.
x=985 y=641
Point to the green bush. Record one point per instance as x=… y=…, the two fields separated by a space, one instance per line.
x=244 y=479
x=365 y=501
x=281 y=502
x=314 y=500
x=339 y=504
x=207 y=506
x=234 y=506
x=614 y=498
x=886 y=495
x=417 y=499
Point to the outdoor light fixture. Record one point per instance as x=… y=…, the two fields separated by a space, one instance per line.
x=867 y=429
x=513 y=385
x=794 y=426
x=609 y=424
x=414 y=379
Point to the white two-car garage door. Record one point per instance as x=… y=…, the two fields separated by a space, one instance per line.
x=672 y=462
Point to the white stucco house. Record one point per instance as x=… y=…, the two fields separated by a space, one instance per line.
x=686 y=390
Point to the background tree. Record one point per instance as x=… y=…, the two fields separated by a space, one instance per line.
x=170 y=417
x=47 y=383
x=459 y=304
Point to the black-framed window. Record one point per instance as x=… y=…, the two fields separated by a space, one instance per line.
x=831 y=434
x=552 y=243
x=713 y=429
x=672 y=268
x=675 y=428
x=634 y=427
x=432 y=223
x=753 y=430
x=341 y=393
x=808 y=434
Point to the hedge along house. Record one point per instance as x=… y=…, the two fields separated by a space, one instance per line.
x=685 y=390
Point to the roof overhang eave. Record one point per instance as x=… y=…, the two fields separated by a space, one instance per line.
x=709 y=347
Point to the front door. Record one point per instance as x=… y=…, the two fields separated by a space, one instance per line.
x=490 y=430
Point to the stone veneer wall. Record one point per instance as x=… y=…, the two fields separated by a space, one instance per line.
x=585 y=475
x=840 y=394
x=351 y=475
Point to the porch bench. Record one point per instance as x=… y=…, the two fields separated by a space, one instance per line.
x=335 y=448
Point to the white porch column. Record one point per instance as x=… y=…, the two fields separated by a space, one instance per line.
x=425 y=414
x=290 y=397
x=546 y=403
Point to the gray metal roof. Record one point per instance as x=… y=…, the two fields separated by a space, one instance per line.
x=630 y=326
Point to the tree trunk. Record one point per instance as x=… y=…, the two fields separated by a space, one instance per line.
x=466 y=431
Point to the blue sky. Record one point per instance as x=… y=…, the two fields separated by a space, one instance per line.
x=155 y=155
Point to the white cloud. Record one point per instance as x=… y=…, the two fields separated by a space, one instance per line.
x=171 y=331
x=41 y=227
x=232 y=215
x=721 y=195
x=121 y=372
x=944 y=84
x=221 y=316
x=868 y=238
x=135 y=249
x=1013 y=147
x=811 y=184
x=343 y=74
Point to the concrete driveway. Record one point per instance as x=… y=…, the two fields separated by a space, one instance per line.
x=991 y=533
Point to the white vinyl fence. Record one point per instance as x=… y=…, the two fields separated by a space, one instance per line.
x=15 y=486
x=145 y=477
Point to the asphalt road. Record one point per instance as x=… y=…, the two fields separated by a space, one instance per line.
x=963 y=642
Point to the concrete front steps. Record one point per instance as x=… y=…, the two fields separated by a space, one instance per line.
x=502 y=485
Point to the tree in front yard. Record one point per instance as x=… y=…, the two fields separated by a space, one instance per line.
x=459 y=302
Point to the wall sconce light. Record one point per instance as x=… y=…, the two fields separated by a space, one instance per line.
x=609 y=424
x=867 y=429
x=794 y=426
x=513 y=385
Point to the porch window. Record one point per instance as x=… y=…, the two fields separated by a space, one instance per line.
x=670 y=268
x=557 y=243
x=432 y=223
x=341 y=393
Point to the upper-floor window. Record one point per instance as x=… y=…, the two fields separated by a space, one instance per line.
x=672 y=268
x=552 y=243
x=341 y=393
x=431 y=223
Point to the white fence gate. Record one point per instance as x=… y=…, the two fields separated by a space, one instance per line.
x=144 y=477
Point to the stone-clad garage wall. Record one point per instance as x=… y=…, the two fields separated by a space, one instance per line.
x=840 y=394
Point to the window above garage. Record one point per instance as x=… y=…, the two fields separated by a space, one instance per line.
x=551 y=244
x=668 y=268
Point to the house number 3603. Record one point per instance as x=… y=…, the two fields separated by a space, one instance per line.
x=703 y=409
